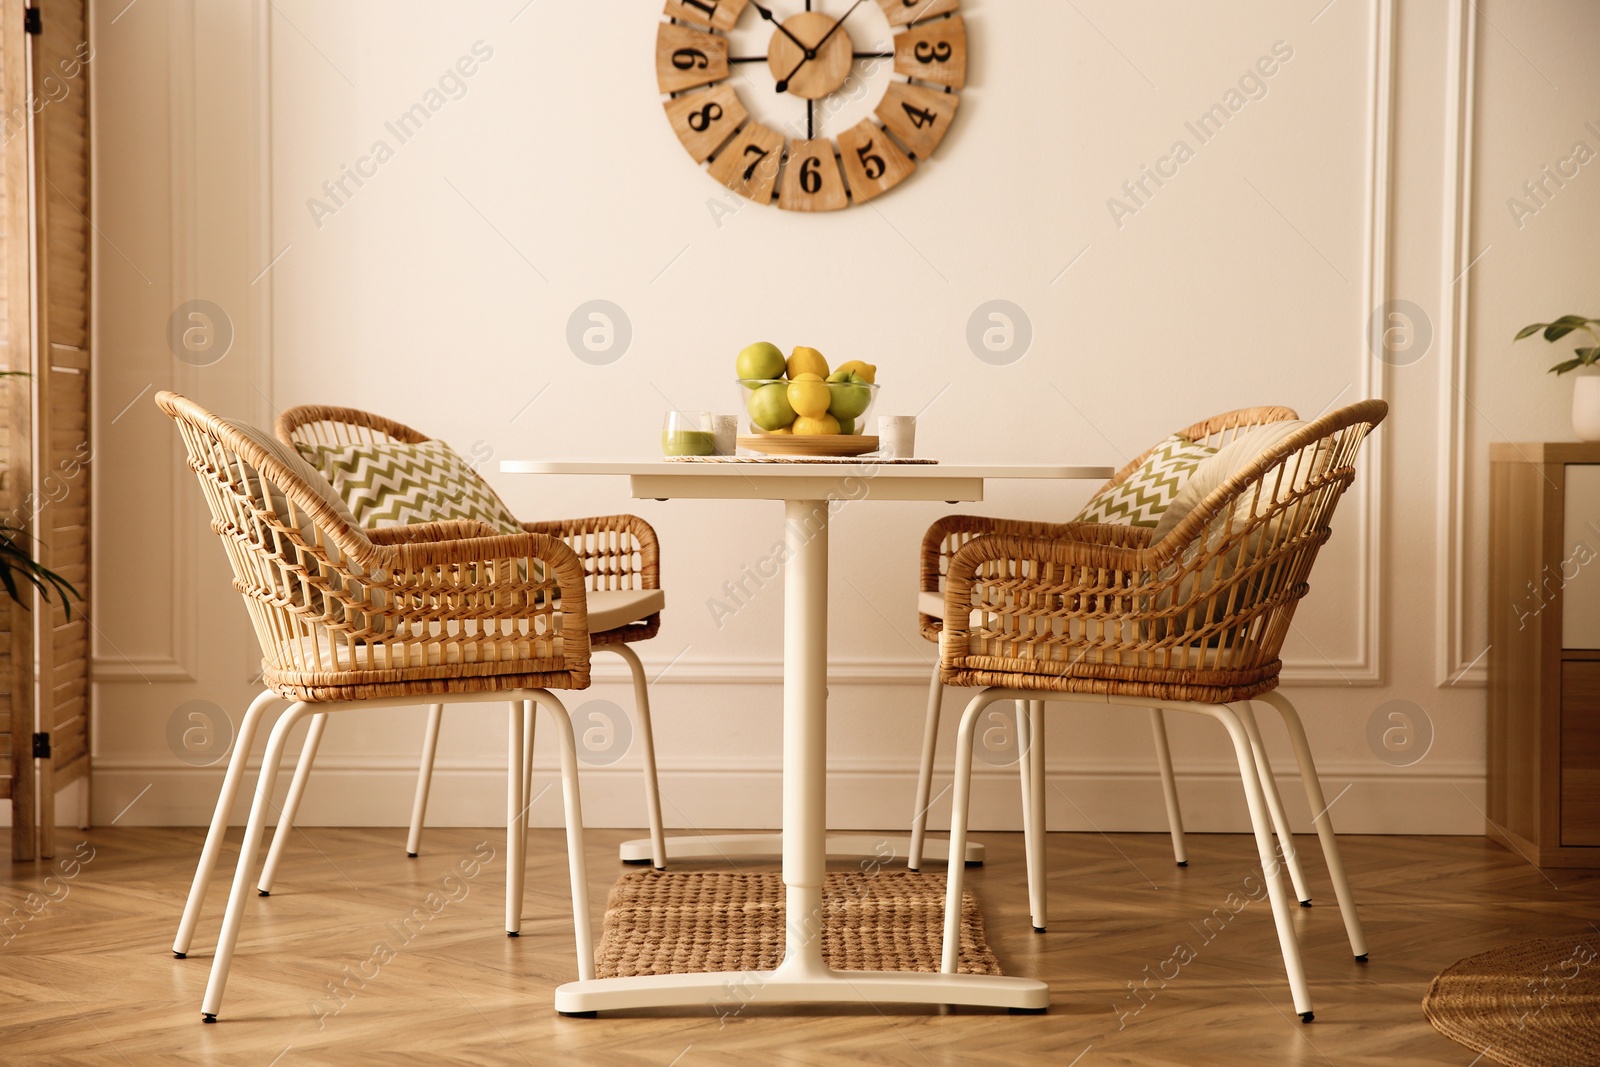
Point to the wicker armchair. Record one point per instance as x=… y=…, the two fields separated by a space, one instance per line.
x=1193 y=622
x=622 y=574
x=348 y=620
x=949 y=535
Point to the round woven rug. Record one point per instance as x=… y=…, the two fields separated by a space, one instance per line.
x=683 y=922
x=1535 y=1004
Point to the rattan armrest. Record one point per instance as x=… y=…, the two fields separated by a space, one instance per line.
x=607 y=545
x=421 y=532
x=1053 y=579
x=947 y=536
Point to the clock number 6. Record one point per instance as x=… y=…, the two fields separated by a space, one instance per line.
x=690 y=59
x=700 y=121
x=871 y=162
x=932 y=53
x=760 y=154
x=811 y=175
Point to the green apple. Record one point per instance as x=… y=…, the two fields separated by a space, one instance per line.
x=769 y=406
x=847 y=425
x=762 y=360
x=848 y=395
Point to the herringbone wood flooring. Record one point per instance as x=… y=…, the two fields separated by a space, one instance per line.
x=86 y=975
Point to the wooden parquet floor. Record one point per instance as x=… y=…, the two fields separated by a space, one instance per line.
x=86 y=975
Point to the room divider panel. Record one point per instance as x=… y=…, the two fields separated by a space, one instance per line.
x=44 y=121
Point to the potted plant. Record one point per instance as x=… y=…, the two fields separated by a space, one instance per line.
x=1586 y=361
x=15 y=559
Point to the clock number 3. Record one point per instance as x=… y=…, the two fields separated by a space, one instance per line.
x=932 y=53
x=700 y=121
x=872 y=164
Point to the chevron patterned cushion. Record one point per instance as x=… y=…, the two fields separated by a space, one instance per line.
x=1148 y=491
x=387 y=483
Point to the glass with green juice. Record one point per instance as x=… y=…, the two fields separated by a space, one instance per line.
x=688 y=433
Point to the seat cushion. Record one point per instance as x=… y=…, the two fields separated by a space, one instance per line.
x=611 y=608
x=390 y=483
x=931 y=604
x=1145 y=495
x=608 y=610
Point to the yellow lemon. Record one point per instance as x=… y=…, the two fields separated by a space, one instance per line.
x=809 y=395
x=780 y=429
x=805 y=360
x=867 y=371
x=812 y=426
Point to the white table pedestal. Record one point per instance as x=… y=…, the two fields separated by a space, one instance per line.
x=803 y=977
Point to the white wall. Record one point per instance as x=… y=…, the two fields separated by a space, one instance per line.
x=440 y=292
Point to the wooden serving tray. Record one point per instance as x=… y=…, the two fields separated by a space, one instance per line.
x=821 y=444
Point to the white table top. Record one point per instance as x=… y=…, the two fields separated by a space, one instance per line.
x=897 y=471
x=660 y=479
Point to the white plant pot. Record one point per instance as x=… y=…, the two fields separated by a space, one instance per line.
x=1586 y=403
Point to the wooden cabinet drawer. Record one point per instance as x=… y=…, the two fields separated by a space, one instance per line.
x=1580 y=753
x=1577 y=575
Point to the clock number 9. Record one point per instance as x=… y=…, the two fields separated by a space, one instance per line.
x=700 y=121
x=690 y=59
x=760 y=154
x=811 y=175
x=932 y=53
x=871 y=163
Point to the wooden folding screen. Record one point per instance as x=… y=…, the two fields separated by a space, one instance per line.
x=44 y=714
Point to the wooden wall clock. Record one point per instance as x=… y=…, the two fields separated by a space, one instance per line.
x=809 y=59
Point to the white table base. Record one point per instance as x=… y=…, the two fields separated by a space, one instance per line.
x=803 y=977
x=747 y=846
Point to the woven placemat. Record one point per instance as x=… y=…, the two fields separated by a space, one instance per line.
x=1535 y=1004
x=687 y=922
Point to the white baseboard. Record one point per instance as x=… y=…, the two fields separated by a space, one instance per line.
x=353 y=792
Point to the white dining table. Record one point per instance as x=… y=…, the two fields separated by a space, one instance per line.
x=807 y=491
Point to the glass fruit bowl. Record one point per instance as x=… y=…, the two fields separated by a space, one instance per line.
x=826 y=409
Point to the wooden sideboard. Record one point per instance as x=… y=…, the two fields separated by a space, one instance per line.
x=1544 y=653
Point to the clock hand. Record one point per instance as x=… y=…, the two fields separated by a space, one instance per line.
x=767 y=14
x=811 y=53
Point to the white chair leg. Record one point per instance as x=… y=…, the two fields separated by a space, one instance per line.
x=516 y=814
x=577 y=870
x=254 y=830
x=1280 y=818
x=1034 y=828
x=419 y=804
x=291 y=804
x=930 y=745
x=647 y=745
x=1024 y=731
x=951 y=956
x=1255 y=798
x=530 y=719
x=219 y=821
x=1322 y=820
x=1169 y=786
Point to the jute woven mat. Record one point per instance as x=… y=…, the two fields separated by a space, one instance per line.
x=685 y=922
x=1535 y=1004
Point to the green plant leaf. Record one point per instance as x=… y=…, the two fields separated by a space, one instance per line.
x=1557 y=330
x=1588 y=355
x=1562 y=368
x=1529 y=331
